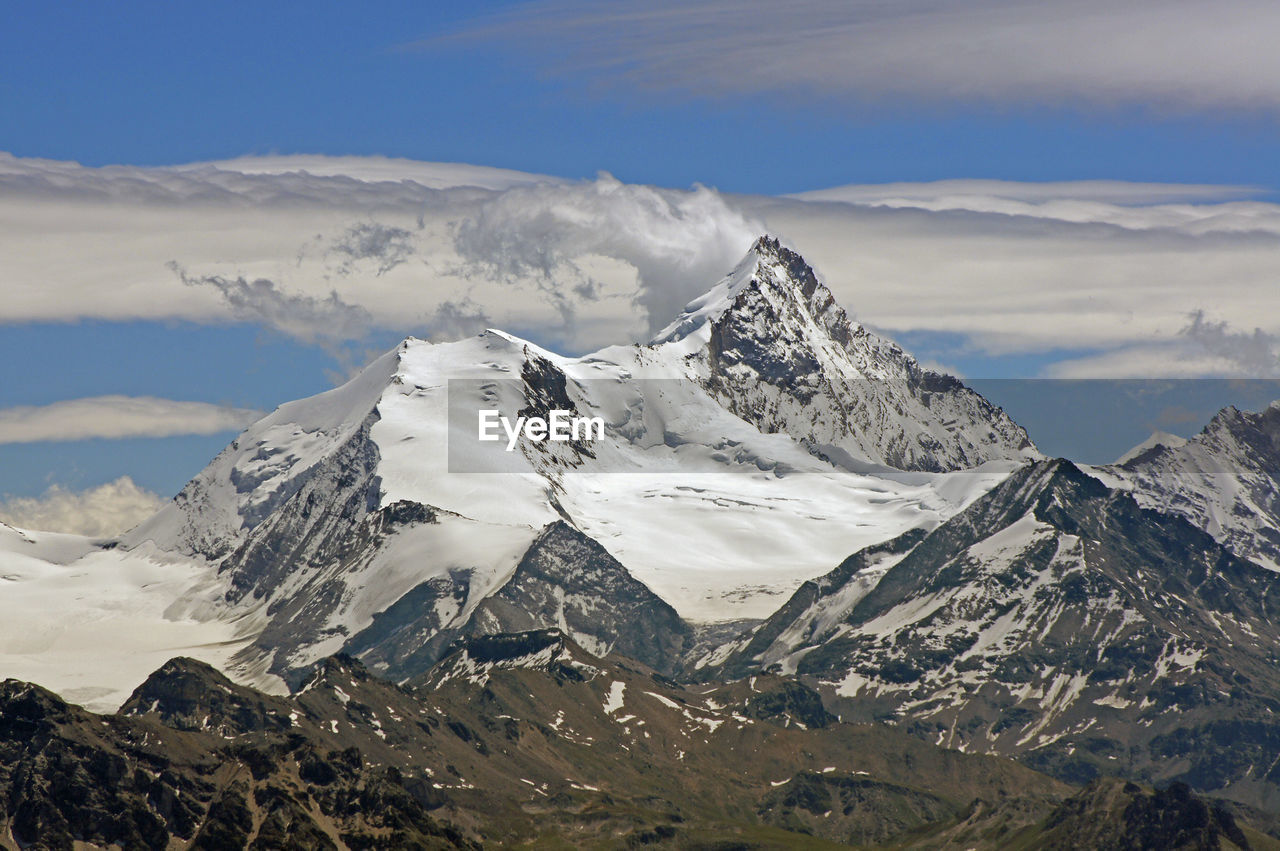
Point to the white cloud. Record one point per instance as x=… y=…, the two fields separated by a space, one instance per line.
x=983 y=191
x=1189 y=208
x=1038 y=283
x=379 y=169
x=117 y=417
x=678 y=243
x=1152 y=360
x=103 y=511
x=1076 y=268
x=1202 y=348
x=1169 y=54
x=1256 y=353
x=454 y=320
x=96 y=242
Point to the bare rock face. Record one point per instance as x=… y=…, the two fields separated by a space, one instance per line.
x=187 y=694
x=564 y=581
x=783 y=355
x=149 y=778
x=1119 y=814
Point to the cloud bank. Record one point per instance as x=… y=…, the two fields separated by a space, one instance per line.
x=99 y=512
x=966 y=193
x=375 y=169
x=1095 y=275
x=117 y=417
x=1166 y=54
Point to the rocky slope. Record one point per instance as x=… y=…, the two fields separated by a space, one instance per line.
x=1225 y=480
x=1118 y=814
x=776 y=349
x=564 y=580
x=521 y=738
x=249 y=777
x=1056 y=620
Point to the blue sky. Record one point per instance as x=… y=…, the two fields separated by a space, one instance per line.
x=736 y=96
x=161 y=83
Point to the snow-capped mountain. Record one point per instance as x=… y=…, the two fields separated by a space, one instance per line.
x=774 y=347
x=1053 y=618
x=1156 y=439
x=1101 y=621
x=370 y=518
x=1225 y=480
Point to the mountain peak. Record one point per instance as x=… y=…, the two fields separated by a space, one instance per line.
x=190 y=695
x=769 y=247
x=1232 y=419
x=1223 y=479
x=767 y=264
x=765 y=244
x=1157 y=440
x=777 y=350
x=1052 y=483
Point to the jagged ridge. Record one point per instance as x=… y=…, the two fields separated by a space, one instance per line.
x=1056 y=619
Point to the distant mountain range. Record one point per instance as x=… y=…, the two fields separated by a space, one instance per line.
x=528 y=738
x=792 y=545
x=1225 y=480
x=1057 y=620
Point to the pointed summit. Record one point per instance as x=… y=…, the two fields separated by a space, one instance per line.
x=768 y=265
x=778 y=351
x=1223 y=480
x=1158 y=440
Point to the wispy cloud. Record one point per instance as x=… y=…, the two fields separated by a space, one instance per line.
x=117 y=417
x=967 y=193
x=678 y=243
x=102 y=511
x=453 y=320
x=385 y=246
x=326 y=321
x=375 y=169
x=1166 y=54
x=1255 y=354
x=1201 y=348
x=1160 y=358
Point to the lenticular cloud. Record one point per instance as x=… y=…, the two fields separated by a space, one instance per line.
x=332 y=251
x=1165 y=54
